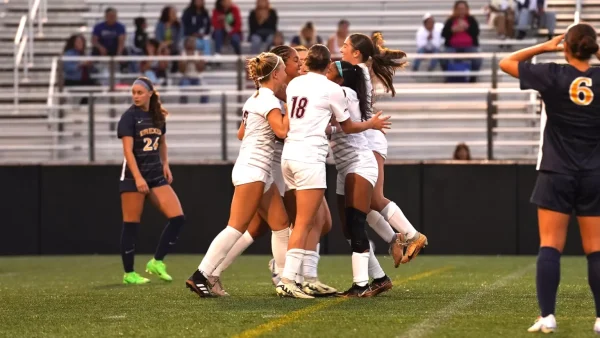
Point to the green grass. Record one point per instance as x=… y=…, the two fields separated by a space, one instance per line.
x=81 y=296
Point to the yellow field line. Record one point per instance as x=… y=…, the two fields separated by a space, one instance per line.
x=298 y=314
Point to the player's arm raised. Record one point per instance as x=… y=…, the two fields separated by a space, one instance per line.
x=278 y=122
x=339 y=107
x=510 y=64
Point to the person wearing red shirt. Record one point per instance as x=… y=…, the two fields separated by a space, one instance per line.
x=227 y=24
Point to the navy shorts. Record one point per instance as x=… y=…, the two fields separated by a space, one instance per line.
x=566 y=193
x=128 y=184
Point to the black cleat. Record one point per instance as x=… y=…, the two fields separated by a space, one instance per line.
x=380 y=285
x=198 y=284
x=357 y=292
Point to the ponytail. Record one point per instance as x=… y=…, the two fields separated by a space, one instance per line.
x=360 y=88
x=156 y=109
x=384 y=62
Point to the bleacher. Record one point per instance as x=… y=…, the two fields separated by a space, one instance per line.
x=429 y=116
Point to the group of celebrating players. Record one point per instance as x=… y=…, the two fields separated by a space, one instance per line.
x=306 y=104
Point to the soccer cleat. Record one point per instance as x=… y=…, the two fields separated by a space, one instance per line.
x=397 y=249
x=274 y=275
x=380 y=285
x=544 y=324
x=414 y=246
x=356 y=291
x=291 y=290
x=216 y=286
x=198 y=283
x=597 y=326
x=134 y=278
x=317 y=289
x=158 y=268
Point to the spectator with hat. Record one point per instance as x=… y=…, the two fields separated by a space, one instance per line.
x=429 y=40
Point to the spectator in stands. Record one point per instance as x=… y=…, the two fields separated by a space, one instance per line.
x=462 y=152
x=263 y=26
x=336 y=41
x=227 y=24
x=140 y=37
x=191 y=69
x=196 y=23
x=155 y=70
x=534 y=9
x=77 y=73
x=429 y=40
x=308 y=37
x=278 y=40
x=108 y=37
x=461 y=32
x=502 y=17
x=168 y=30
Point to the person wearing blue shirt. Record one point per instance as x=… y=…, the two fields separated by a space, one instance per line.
x=108 y=37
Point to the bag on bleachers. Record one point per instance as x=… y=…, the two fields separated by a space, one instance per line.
x=458 y=66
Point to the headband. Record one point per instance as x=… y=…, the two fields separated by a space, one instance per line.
x=264 y=76
x=142 y=83
x=339 y=68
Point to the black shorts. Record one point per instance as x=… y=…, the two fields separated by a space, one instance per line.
x=566 y=193
x=128 y=184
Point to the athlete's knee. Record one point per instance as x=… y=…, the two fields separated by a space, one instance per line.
x=378 y=203
x=356 y=220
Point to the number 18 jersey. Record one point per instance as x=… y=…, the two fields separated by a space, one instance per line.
x=311 y=101
x=570 y=137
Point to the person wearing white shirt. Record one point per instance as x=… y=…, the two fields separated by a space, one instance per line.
x=530 y=9
x=502 y=17
x=191 y=69
x=429 y=40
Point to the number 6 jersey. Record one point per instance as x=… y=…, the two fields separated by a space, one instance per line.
x=570 y=137
x=146 y=142
x=311 y=100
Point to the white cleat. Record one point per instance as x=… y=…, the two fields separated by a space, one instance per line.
x=545 y=324
x=318 y=289
x=273 y=269
x=291 y=290
x=597 y=326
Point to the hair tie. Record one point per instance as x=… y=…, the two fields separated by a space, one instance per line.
x=338 y=64
x=257 y=59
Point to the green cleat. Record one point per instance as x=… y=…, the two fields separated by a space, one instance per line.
x=134 y=278
x=158 y=268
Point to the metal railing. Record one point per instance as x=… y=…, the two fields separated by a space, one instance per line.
x=24 y=42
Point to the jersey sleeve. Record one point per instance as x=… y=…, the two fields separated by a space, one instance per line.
x=164 y=128
x=126 y=126
x=538 y=76
x=268 y=105
x=339 y=105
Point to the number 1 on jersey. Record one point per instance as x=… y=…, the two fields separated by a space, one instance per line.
x=298 y=107
x=580 y=92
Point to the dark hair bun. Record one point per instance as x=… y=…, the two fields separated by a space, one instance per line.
x=587 y=47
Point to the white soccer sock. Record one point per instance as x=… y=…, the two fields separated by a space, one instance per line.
x=318 y=250
x=398 y=221
x=293 y=263
x=218 y=250
x=375 y=270
x=300 y=275
x=238 y=248
x=360 y=268
x=381 y=226
x=279 y=244
x=310 y=264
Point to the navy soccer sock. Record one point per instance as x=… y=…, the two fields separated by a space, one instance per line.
x=594 y=278
x=169 y=237
x=128 y=236
x=547 y=279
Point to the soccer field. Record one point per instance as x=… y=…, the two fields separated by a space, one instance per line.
x=449 y=296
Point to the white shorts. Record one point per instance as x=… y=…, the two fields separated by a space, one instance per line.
x=244 y=174
x=377 y=142
x=303 y=176
x=278 y=180
x=365 y=168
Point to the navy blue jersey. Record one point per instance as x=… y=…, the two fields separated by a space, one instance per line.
x=570 y=142
x=146 y=142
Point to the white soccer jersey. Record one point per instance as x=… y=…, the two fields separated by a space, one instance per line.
x=279 y=142
x=257 y=149
x=350 y=148
x=311 y=100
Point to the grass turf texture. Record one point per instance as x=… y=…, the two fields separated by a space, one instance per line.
x=81 y=296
